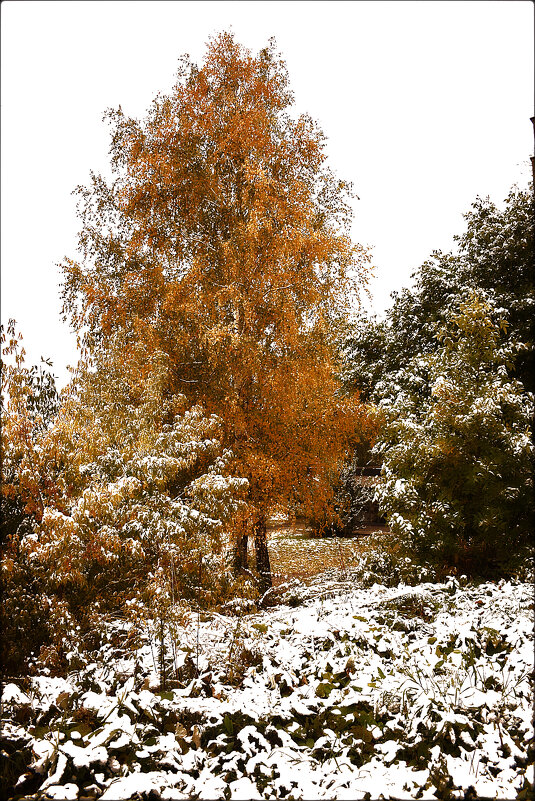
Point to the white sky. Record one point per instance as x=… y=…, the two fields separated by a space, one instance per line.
x=425 y=105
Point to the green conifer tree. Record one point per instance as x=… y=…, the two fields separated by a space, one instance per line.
x=457 y=449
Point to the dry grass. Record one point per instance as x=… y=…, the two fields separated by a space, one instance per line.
x=294 y=554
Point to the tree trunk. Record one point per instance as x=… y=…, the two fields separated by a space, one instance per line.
x=262 y=554
x=237 y=555
x=162 y=655
x=241 y=548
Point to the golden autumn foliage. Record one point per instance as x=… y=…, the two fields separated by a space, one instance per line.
x=28 y=405
x=28 y=402
x=144 y=493
x=127 y=512
x=223 y=243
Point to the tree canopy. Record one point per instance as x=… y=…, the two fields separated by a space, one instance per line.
x=223 y=243
x=494 y=256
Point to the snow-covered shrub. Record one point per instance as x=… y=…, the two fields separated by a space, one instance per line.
x=29 y=404
x=387 y=560
x=456 y=448
x=143 y=508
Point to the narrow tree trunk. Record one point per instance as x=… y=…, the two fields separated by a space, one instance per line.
x=241 y=547
x=237 y=554
x=162 y=655
x=263 y=565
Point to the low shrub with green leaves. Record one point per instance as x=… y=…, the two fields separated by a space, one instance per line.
x=387 y=559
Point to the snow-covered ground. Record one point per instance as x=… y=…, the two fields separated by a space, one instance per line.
x=338 y=693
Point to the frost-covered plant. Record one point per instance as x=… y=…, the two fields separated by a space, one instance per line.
x=144 y=500
x=29 y=404
x=457 y=451
x=386 y=560
x=461 y=679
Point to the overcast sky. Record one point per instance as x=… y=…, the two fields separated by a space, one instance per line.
x=425 y=106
